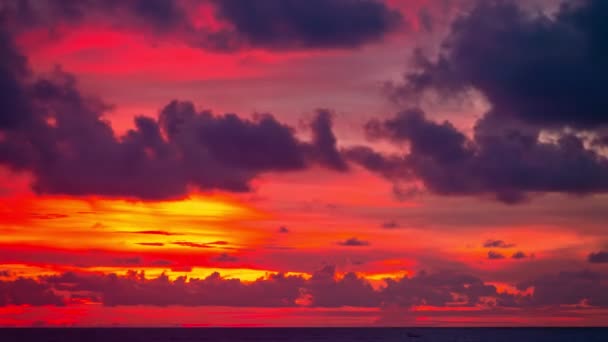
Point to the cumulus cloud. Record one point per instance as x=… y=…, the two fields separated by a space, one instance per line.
x=509 y=164
x=56 y=133
x=324 y=289
x=539 y=72
x=569 y=288
x=24 y=291
x=539 y=68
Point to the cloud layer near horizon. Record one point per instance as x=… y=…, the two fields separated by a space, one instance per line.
x=323 y=289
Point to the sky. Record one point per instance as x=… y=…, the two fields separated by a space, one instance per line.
x=303 y=163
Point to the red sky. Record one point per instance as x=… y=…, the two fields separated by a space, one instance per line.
x=322 y=163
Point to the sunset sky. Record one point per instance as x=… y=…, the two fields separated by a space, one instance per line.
x=303 y=163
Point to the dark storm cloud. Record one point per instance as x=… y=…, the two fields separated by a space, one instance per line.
x=600 y=257
x=284 y=24
x=541 y=69
x=497 y=244
x=354 y=242
x=506 y=162
x=50 y=129
x=270 y=24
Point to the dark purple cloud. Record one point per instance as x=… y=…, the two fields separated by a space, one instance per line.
x=390 y=225
x=224 y=257
x=269 y=24
x=326 y=290
x=354 y=242
x=52 y=130
x=507 y=163
x=438 y=289
x=598 y=257
x=493 y=255
x=519 y=255
x=569 y=288
x=323 y=289
x=24 y=291
x=288 y=24
x=391 y=167
x=539 y=68
x=497 y=244
x=324 y=144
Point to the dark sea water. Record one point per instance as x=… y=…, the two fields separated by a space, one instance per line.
x=307 y=334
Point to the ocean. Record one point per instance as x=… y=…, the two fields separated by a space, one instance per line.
x=304 y=334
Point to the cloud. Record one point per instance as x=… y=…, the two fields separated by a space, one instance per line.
x=391 y=167
x=497 y=244
x=438 y=289
x=493 y=255
x=543 y=69
x=508 y=163
x=98 y=225
x=569 y=288
x=390 y=225
x=289 y=24
x=224 y=257
x=519 y=255
x=541 y=73
x=354 y=242
x=191 y=244
x=154 y=232
x=24 y=291
x=58 y=135
x=271 y=24
x=283 y=230
x=325 y=288
x=598 y=257
x=151 y=244
x=323 y=146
